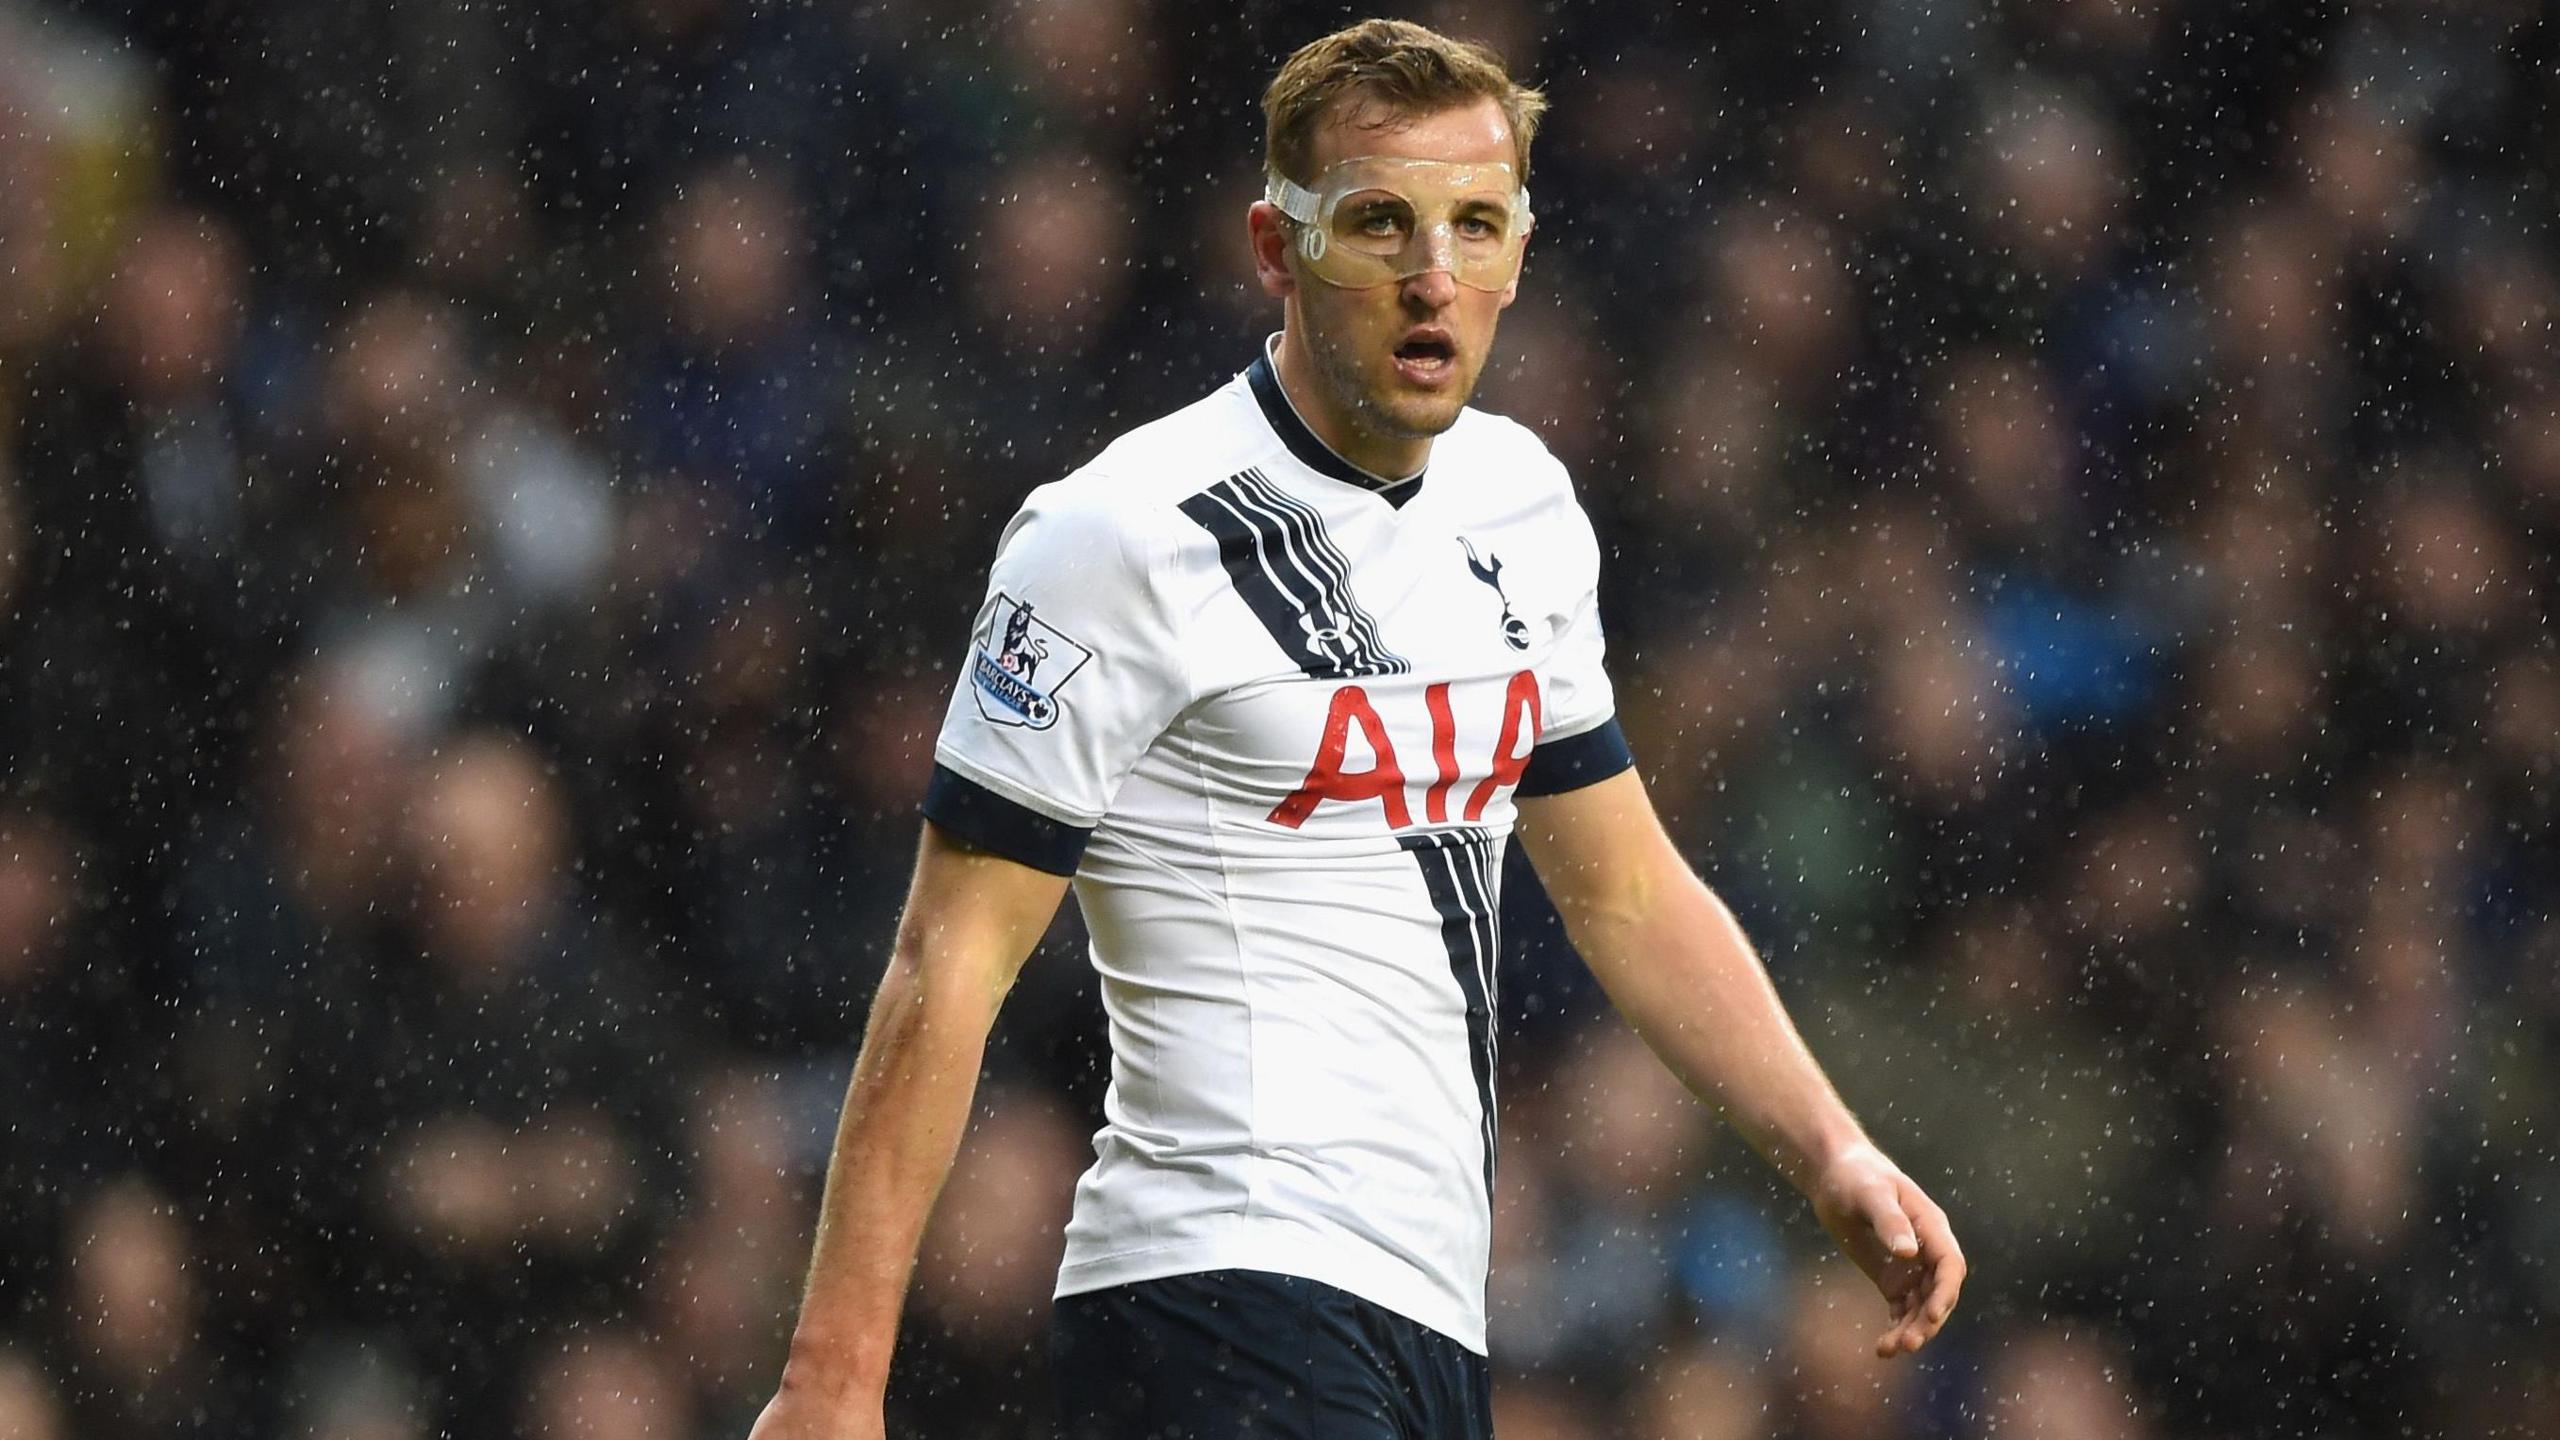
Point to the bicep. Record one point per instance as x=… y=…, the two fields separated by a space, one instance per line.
x=1599 y=850
x=1606 y=864
x=1665 y=950
x=972 y=915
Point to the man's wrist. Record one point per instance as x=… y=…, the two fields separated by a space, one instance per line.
x=834 y=1370
x=1837 y=1144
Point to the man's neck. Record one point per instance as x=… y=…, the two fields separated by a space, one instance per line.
x=1385 y=456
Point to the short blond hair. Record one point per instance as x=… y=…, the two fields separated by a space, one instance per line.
x=1410 y=69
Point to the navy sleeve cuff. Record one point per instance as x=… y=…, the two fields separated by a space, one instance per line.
x=1577 y=760
x=984 y=819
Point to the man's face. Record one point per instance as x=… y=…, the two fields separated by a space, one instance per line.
x=1401 y=358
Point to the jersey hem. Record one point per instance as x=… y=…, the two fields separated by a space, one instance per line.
x=1389 y=1286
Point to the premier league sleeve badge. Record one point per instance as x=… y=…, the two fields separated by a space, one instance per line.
x=1019 y=664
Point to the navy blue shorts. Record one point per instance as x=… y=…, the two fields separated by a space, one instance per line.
x=1246 y=1355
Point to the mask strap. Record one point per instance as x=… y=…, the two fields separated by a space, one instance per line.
x=1295 y=200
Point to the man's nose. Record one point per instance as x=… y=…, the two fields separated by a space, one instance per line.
x=1431 y=290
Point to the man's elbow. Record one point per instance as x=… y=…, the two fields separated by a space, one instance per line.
x=1600 y=901
x=947 y=980
x=1635 y=898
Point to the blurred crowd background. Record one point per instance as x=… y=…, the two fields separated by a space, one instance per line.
x=494 y=493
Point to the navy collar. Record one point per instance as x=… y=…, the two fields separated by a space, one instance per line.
x=1310 y=448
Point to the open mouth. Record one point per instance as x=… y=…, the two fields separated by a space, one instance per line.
x=1426 y=357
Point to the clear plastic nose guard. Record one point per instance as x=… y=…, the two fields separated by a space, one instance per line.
x=1376 y=219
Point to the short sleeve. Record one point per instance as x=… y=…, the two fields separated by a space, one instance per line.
x=1071 y=672
x=1580 y=742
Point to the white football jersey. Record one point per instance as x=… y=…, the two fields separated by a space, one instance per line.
x=1271 y=711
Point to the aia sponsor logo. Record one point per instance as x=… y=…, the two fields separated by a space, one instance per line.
x=1384 y=781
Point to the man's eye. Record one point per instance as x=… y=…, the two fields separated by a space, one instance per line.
x=1477 y=227
x=1380 y=222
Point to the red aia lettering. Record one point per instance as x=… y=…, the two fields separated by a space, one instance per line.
x=1444 y=753
x=1384 y=781
x=1518 y=703
x=1327 y=780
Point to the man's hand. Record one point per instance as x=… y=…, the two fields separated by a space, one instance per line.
x=1899 y=1236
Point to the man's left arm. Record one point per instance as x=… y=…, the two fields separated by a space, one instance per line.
x=1677 y=966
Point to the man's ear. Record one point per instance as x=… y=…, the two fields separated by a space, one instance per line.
x=1269 y=232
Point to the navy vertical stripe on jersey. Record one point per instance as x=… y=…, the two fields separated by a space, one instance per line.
x=1457 y=868
x=1289 y=573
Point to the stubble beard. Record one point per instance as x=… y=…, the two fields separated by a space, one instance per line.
x=1352 y=394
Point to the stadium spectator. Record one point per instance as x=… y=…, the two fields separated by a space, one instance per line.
x=29 y=1408
x=133 y=1313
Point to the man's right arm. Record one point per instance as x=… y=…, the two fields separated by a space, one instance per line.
x=971 y=919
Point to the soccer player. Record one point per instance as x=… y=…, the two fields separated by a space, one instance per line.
x=1274 y=679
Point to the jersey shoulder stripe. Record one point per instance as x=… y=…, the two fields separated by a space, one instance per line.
x=1288 y=572
x=1304 y=525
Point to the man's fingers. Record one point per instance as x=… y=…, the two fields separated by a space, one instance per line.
x=1924 y=1307
x=1892 y=1226
x=1907 y=1334
x=1946 y=1280
x=1925 y=1275
x=1915 y=1262
x=1946 y=1268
